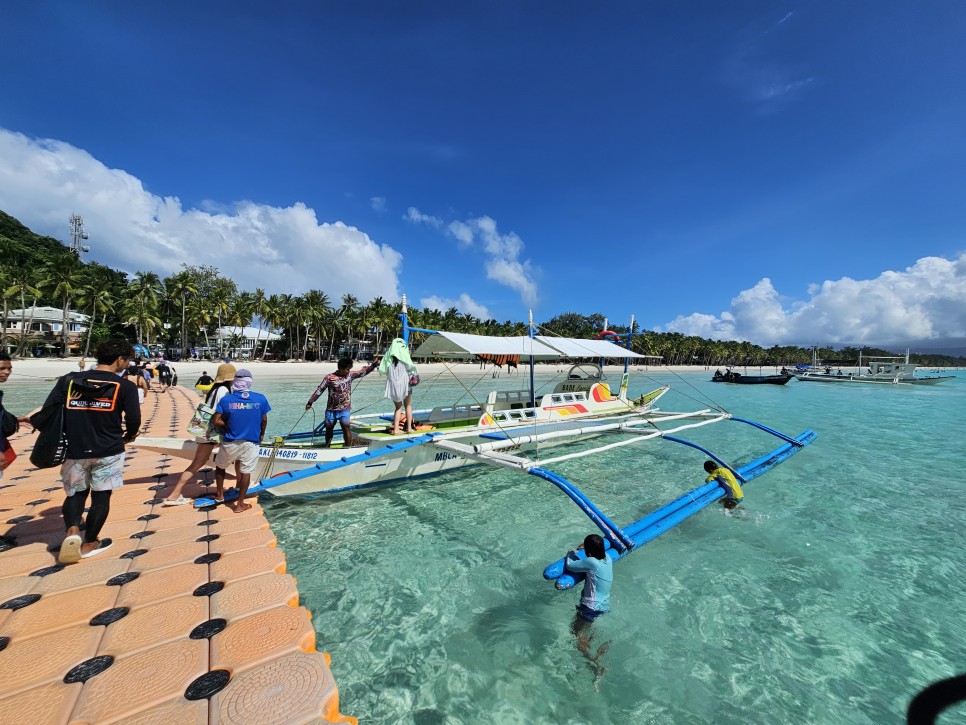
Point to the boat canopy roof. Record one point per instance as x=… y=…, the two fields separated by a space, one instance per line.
x=575 y=347
x=458 y=344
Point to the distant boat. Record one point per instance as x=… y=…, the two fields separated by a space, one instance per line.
x=881 y=370
x=732 y=377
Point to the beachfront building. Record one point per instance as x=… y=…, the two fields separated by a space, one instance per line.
x=238 y=343
x=39 y=331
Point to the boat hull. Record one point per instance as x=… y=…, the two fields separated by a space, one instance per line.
x=751 y=379
x=869 y=379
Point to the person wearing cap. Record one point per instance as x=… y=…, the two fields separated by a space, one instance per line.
x=206 y=446
x=243 y=414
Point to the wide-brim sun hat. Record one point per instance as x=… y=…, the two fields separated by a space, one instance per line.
x=225 y=374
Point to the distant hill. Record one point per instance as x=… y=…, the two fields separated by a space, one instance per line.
x=950 y=346
x=22 y=246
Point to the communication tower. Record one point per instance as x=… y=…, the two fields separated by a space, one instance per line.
x=78 y=235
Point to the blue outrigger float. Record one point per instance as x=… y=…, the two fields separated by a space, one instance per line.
x=501 y=430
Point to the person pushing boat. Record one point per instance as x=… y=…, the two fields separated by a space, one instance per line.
x=598 y=570
x=339 y=404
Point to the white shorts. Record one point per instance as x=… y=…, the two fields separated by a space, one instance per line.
x=245 y=452
x=98 y=474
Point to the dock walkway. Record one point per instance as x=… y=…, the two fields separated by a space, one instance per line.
x=188 y=618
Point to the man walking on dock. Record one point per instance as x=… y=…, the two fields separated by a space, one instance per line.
x=97 y=403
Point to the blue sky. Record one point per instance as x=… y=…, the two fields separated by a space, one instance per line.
x=774 y=171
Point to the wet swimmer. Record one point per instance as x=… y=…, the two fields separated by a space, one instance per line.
x=598 y=570
x=727 y=479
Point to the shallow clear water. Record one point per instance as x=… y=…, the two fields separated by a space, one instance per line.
x=832 y=598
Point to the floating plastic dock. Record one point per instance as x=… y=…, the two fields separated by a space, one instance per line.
x=188 y=618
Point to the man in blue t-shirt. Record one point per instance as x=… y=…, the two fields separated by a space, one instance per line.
x=243 y=415
x=598 y=569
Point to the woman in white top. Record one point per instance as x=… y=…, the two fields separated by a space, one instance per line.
x=206 y=446
x=135 y=376
x=400 y=392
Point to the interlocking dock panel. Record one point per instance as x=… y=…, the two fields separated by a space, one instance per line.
x=188 y=618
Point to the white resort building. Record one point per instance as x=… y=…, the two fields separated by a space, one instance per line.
x=43 y=328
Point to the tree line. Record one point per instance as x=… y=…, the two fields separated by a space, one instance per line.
x=185 y=310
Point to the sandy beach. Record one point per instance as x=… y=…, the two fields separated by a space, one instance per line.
x=189 y=371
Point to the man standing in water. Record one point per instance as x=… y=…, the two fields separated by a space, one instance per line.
x=598 y=569
x=243 y=414
x=339 y=405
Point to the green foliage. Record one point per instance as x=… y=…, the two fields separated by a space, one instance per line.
x=186 y=309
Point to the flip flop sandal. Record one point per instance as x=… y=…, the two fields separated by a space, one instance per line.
x=103 y=546
x=180 y=501
x=70 y=550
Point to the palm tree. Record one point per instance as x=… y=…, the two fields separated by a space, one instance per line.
x=240 y=314
x=21 y=281
x=179 y=288
x=272 y=314
x=62 y=278
x=257 y=299
x=97 y=296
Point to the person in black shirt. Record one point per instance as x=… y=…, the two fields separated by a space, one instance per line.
x=205 y=379
x=102 y=414
x=164 y=374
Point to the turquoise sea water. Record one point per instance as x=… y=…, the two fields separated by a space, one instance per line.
x=834 y=596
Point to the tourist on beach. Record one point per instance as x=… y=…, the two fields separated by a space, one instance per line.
x=221 y=386
x=727 y=479
x=204 y=379
x=102 y=414
x=6 y=367
x=398 y=368
x=136 y=376
x=598 y=570
x=339 y=405
x=164 y=374
x=243 y=414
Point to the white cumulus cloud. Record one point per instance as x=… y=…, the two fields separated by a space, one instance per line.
x=924 y=301
x=465 y=304
x=280 y=249
x=502 y=252
x=417 y=217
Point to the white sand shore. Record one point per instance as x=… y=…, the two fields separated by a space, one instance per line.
x=189 y=371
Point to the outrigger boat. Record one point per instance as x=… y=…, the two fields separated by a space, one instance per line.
x=298 y=464
x=504 y=430
x=881 y=370
x=730 y=376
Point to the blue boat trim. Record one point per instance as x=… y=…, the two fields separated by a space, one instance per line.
x=656 y=523
x=612 y=532
x=289 y=476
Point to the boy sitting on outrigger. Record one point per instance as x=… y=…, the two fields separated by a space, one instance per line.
x=339 y=405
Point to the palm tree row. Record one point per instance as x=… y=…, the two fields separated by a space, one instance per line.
x=186 y=309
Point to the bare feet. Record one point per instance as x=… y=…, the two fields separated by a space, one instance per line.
x=241 y=506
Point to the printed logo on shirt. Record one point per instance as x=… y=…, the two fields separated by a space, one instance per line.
x=104 y=400
x=243 y=406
